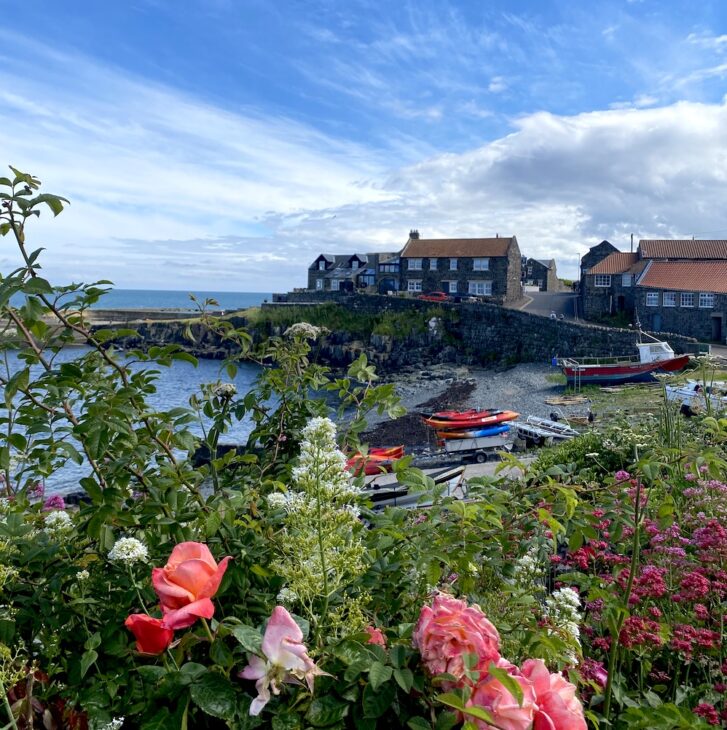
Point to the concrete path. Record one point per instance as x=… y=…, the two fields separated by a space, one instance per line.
x=544 y=303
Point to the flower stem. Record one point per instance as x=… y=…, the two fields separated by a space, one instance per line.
x=8 y=709
x=207 y=630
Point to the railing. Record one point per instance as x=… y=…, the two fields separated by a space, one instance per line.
x=615 y=360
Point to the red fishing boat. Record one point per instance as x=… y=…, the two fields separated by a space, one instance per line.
x=654 y=357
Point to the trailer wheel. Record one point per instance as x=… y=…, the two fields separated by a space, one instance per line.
x=480 y=457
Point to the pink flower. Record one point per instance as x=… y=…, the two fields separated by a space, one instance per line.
x=54 y=502
x=558 y=708
x=375 y=636
x=622 y=476
x=448 y=630
x=186 y=584
x=507 y=714
x=286 y=660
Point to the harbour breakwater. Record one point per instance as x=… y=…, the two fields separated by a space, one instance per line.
x=397 y=333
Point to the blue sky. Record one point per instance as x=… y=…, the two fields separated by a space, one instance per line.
x=223 y=144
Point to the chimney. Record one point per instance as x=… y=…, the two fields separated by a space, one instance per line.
x=413 y=234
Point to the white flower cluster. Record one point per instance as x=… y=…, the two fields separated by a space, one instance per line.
x=4 y=505
x=529 y=569
x=115 y=724
x=82 y=575
x=276 y=500
x=562 y=608
x=58 y=523
x=128 y=550
x=287 y=596
x=225 y=390
x=304 y=329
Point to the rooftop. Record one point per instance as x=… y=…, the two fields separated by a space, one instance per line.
x=618 y=262
x=707 y=276
x=683 y=249
x=456 y=247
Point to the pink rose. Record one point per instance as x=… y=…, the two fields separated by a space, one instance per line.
x=558 y=708
x=506 y=712
x=286 y=660
x=375 y=636
x=448 y=630
x=186 y=584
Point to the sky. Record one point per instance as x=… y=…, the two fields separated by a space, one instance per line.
x=224 y=144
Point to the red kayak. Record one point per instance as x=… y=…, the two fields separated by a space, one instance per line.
x=459 y=415
x=377 y=461
x=485 y=418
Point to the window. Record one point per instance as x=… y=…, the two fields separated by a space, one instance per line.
x=480 y=288
x=335 y=284
x=652 y=299
x=481 y=265
x=414 y=264
x=530 y=270
x=389 y=268
x=322 y=265
x=669 y=299
x=414 y=285
x=687 y=299
x=432 y=264
x=602 y=280
x=319 y=284
x=354 y=263
x=453 y=264
x=452 y=286
x=706 y=300
x=625 y=279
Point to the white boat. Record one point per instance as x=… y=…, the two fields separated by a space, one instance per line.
x=542 y=430
x=696 y=396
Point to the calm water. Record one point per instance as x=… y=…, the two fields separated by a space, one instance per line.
x=175 y=385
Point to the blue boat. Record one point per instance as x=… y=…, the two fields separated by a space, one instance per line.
x=475 y=433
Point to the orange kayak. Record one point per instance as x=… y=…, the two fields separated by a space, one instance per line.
x=488 y=419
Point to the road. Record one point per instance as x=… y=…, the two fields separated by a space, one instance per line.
x=544 y=303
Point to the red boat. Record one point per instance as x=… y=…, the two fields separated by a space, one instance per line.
x=477 y=418
x=377 y=461
x=654 y=357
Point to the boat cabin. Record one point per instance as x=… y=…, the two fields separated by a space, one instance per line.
x=654 y=351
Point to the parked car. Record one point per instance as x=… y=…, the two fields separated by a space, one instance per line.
x=435 y=296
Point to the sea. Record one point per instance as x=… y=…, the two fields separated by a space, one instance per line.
x=177 y=383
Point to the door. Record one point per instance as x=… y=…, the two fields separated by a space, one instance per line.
x=717 y=334
x=656 y=322
x=621 y=303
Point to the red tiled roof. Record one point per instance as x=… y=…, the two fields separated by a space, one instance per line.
x=683 y=249
x=615 y=263
x=456 y=247
x=694 y=276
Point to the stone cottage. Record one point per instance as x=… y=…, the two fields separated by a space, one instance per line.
x=487 y=268
x=349 y=272
x=541 y=273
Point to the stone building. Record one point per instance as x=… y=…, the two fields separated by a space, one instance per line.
x=541 y=273
x=487 y=268
x=686 y=297
x=348 y=272
x=596 y=254
x=609 y=286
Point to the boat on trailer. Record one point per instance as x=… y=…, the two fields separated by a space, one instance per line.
x=654 y=357
x=694 y=394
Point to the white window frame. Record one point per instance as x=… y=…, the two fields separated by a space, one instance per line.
x=452 y=286
x=530 y=270
x=319 y=284
x=433 y=264
x=482 y=264
x=626 y=279
x=335 y=284
x=706 y=300
x=453 y=264
x=479 y=288
x=687 y=299
x=669 y=299
x=602 y=280
x=322 y=265
x=414 y=285
x=414 y=264
x=652 y=298
x=354 y=263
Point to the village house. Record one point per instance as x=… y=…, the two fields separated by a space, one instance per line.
x=541 y=273
x=674 y=285
x=595 y=255
x=487 y=268
x=349 y=272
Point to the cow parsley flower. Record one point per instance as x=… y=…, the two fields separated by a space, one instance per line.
x=562 y=607
x=304 y=330
x=128 y=550
x=82 y=575
x=58 y=523
x=225 y=390
x=276 y=500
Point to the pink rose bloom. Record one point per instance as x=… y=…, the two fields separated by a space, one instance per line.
x=286 y=660
x=558 y=708
x=375 y=636
x=448 y=630
x=491 y=695
x=186 y=584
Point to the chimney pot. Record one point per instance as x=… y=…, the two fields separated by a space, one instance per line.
x=413 y=233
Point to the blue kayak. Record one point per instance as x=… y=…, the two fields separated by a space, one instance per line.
x=475 y=433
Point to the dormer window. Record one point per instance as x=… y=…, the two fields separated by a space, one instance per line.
x=354 y=263
x=322 y=265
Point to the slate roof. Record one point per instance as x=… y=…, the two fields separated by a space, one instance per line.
x=696 y=276
x=548 y=263
x=456 y=247
x=683 y=249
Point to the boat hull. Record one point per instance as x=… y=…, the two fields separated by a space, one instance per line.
x=472 y=423
x=620 y=373
x=475 y=433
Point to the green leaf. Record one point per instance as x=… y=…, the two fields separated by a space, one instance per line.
x=507 y=681
x=249 y=638
x=162 y=720
x=418 y=723
x=375 y=704
x=88 y=658
x=378 y=674
x=54 y=202
x=326 y=710
x=151 y=673
x=215 y=695
x=404 y=678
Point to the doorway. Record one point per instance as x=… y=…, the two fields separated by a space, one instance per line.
x=717 y=329
x=656 y=322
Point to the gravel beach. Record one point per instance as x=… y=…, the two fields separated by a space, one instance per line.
x=522 y=388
